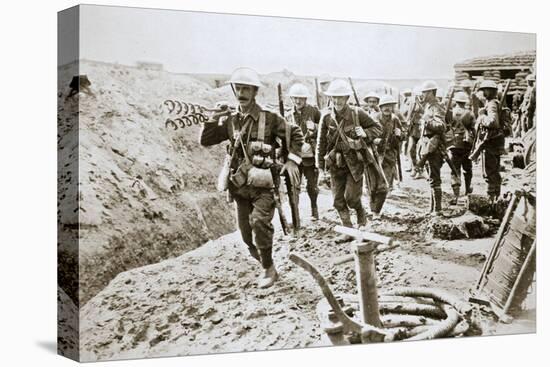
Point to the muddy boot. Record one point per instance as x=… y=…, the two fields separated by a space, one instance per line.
x=346 y=222
x=314 y=209
x=437 y=194
x=468 y=185
x=345 y=218
x=361 y=217
x=269 y=274
x=456 y=192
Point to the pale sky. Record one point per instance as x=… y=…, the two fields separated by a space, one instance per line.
x=194 y=42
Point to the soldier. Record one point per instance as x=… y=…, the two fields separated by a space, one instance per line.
x=460 y=136
x=490 y=131
x=414 y=114
x=342 y=150
x=251 y=132
x=307 y=118
x=324 y=82
x=528 y=105
x=431 y=142
x=372 y=109
x=389 y=143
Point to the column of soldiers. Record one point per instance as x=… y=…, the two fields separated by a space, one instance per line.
x=351 y=145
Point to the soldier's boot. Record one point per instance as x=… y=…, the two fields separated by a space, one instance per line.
x=468 y=185
x=345 y=218
x=346 y=222
x=456 y=192
x=269 y=275
x=314 y=209
x=361 y=217
x=437 y=194
x=432 y=203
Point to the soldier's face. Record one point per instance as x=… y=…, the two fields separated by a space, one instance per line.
x=246 y=94
x=489 y=93
x=428 y=95
x=386 y=109
x=299 y=102
x=340 y=102
x=372 y=102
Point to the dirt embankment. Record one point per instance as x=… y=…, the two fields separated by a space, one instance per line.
x=145 y=193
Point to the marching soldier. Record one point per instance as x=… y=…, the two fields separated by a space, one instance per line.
x=490 y=131
x=371 y=108
x=528 y=105
x=324 y=82
x=307 y=118
x=389 y=143
x=414 y=115
x=251 y=132
x=342 y=149
x=460 y=136
x=431 y=142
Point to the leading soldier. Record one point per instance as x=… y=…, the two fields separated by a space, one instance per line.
x=251 y=132
x=432 y=142
x=307 y=118
x=342 y=150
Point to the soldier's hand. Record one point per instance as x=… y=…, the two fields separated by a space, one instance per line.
x=397 y=131
x=360 y=132
x=291 y=168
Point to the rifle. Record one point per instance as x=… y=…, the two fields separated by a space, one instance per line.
x=317 y=98
x=354 y=92
x=480 y=145
x=275 y=172
x=293 y=193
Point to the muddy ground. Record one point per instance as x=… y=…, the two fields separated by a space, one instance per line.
x=205 y=301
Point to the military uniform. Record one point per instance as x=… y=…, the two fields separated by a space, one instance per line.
x=346 y=159
x=489 y=123
x=528 y=107
x=255 y=205
x=373 y=112
x=389 y=147
x=308 y=168
x=431 y=143
x=460 y=135
x=414 y=132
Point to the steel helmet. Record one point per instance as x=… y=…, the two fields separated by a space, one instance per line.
x=325 y=78
x=245 y=76
x=467 y=83
x=530 y=77
x=386 y=99
x=461 y=97
x=489 y=84
x=339 y=88
x=371 y=94
x=407 y=92
x=298 y=90
x=428 y=85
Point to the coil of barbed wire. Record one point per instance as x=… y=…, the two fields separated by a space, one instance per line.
x=188 y=114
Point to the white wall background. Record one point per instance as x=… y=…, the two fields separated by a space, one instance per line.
x=28 y=183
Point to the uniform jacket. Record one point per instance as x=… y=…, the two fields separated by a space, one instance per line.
x=460 y=131
x=390 y=143
x=275 y=127
x=300 y=118
x=432 y=128
x=489 y=121
x=414 y=120
x=328 y=142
